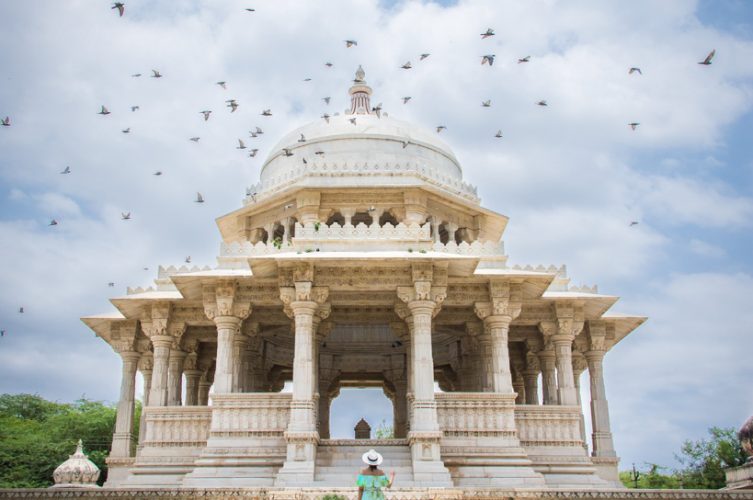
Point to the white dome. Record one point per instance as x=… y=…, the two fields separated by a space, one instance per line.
x=76 y=472
x=372 y=139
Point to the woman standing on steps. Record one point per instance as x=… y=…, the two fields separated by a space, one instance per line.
x=371 y=480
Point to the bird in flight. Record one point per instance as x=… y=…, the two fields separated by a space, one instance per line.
x=2 y=333
x=156 y=74
x=21 y=310
x=406 y=99
x=326 y=99
x=328 y=64
x=635 y=70
x=104 y=111
x=194 y=139
x=111 y=284
x=232 y=104
x=126 y=130
x=6 y=121
x=305 y=161
x=708 y=59
x=407 y=65
x=66 y=170
x=188 y=259
x=253 y=153
x=251 y=10
x=259 y=131
x=524 y=59
x=287 y=152
x=120 y=6
x=157 y=173
x=326 y=117
x=350 y=43
x=206 y=114
x=377 y=110
x=353 y=120
x=441 y=128
x=125 y=215
x=424 y=56
x=302 y=139
x=266 y=112
x=489 y=32
x=53 y=222
x=633 y=223
x=487 y=103
x=498 y=135
x=134 y=108
x=319 y=152
x=222 y=84
x=199 y=198
x=136 y=75
x=240 y=144
x=542 y=103
x=634 y=125
x=487 y=59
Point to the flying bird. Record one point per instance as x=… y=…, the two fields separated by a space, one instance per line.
x=156 y=74
x=136 y=75
x=188 y=259
x=353 y=120
x=222 y=84
x=199 y=198
x=635 y=70
x=6 y=121
x=287 y=152
x=158 y=173
x=53 y=222
x=240 y=144
x=266 y=112
x=378 y=110
x=498 y=135
x=424 y=56
x=125 y=215
x=486 y=103
x=326 y=99
x=328 y=64
x=302 y=139
x=489 y=32
x=194 y=139
x=21 y=310
x=253 y=134
x=633 y=223
x=542 y=103
x=634 y=125
x=407 y=65
x=406 y=99
x=708 y=59
x=134 y=108
x=2 y=333
x=305 y=161
x=206 y=114
x=126 y=130
x=253 y=153
x=259 y=131
x=232 y=104
x=319 y=152
x=104 y=111
x=524 y=59
x=111 y=284
x=251 y=10
x=66 y=170
x=326 y=117
x=350 y=43
x=441 y=128
x=489 y=58
x=120 y=6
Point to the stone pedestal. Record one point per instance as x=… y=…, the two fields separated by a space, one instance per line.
x=740 y=478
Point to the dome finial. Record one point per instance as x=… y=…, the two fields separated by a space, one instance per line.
x=360 y=94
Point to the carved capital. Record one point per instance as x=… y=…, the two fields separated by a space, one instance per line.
x=146 y=363
x=154 y=319
x=123 y=335
x=224 y=299
x=597 y=333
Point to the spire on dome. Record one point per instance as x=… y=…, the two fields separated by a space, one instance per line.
x=360 y=93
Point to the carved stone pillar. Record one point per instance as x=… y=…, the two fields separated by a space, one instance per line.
x=227 y=307
x=240 y=363
x=157 y=326
x=603 y=446
x=145 y=366
x=579 y=366
x=561 y=333
x=121 y=439
x=192 y=386
x=203 y=391
x=531 y=373
x=519 y=386
x=400 y=409
x=175 y=377
x=548 y=374
x=473 y=368
x=424 y=300
x=302 y=302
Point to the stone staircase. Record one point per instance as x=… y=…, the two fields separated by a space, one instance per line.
x=338 y=461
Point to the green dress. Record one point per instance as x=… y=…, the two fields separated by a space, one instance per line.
x=372 y=486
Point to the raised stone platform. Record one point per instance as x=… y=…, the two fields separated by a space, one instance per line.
x=394 y=494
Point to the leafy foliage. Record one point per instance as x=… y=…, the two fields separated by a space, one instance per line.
x=37 y=435
x=384 y=431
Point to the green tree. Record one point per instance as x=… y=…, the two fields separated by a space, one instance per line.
x=384 y=431
x=704 y=460
x=652 y=478
x=37 y=435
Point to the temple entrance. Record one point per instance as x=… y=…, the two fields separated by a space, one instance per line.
x=353 y=404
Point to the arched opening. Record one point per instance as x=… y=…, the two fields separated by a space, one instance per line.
x=261 y=235
x=354 y=403
x=336 y=217
x=291 y=227
x=463 y=234
x=388 y=217
x=360 y=217
x=279 y=232
x=444 y=235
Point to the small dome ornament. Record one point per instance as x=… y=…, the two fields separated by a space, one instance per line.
x=76 y=472
x=745 y=435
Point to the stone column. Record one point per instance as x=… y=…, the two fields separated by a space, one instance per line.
x=486 y=369
x=531 y=374
x=579 y=366
x=561 y=334
x=175 y=377
x=239 y=363
x=400 y=409
x=121 y=439
x=203 y=391
x=565 y=378
x=192 y=386
x=548 y=375
x=145 y=365
x=225 y=305
x=519 y=386
x=302 y=302
x=603 y=446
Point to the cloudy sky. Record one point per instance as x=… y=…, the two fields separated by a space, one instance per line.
x=571 y=176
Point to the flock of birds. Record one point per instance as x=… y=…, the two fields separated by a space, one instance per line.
x=233 y=105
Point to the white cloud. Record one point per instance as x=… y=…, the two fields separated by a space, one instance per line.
x=706 y=249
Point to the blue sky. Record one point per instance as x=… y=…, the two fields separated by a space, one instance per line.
x=570 y=176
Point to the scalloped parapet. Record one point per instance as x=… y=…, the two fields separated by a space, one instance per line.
x=560 y=272
x=475 y=249
x=139 y=289
x=584 y=289
x=360 y=171
x=164 y=273
x=314 y=232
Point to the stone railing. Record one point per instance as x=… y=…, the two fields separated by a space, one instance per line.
x=476 y=414
x=362 y=171
x=400 y=232
x=176 y=426
x=257 y=414
x=475 y=249
x=548 y=425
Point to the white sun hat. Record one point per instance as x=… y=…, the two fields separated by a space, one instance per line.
x=371 y=457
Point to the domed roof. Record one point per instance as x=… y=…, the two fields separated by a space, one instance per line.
x=364 y=138
x=76 y=472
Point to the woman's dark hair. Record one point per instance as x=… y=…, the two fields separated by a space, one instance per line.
x=373 y=467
